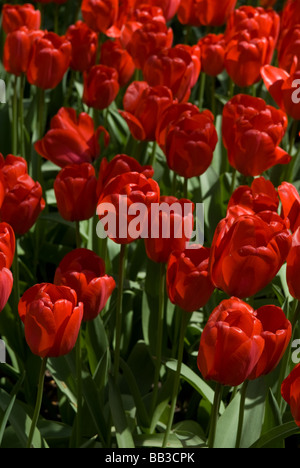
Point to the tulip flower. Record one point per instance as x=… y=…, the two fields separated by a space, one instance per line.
x=205 y=12
x=75 y=190
x=143 y=106
x=7 y=244
x=174 y=68
x=117 y=204
x=52 y=318
x=284 y=88
x=188 y=282
x=17 y=48
x=188 y=138
x=101 y=86
x=248 y=251
x=293 y=266
x=212 y=48
x=16 y=16
x=84 y=272
x=6 y=284
x=252 y=132
x=290 y=391
x=231 y=343
x=277 y=332
x=11 y=168
x=288 y=47
x=120 y=164
x=115 y=56
x=84 y=43
x=100 y=15
x=290 y=201
x=71 y=139
x=169 y=7
x=170 y=228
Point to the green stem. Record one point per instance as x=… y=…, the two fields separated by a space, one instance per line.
x=152 y=159
x=160 y=327
x=201 y=90
x=213 y=95
x=215 y=415
x=185 y=187
x=234 y=174
x=15 y=118
x=184 y=321
x=38 y=402
x=79 y=390
x=21 y=118
x=78 y=237
x=241 y=414
x=119 y=310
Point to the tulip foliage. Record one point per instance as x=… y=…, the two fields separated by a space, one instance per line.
x=150 y=224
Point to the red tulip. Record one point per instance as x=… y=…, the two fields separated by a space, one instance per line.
x=49 y=60
x=205 y=12
x=288 y=48
x=188 y=138
x=71 y=139
x=17 y=48
x=248 y=251
x=252 y=132
x=284 y=88
x=293 y=266
x=52 y=319
x=117 y=203
x=7 y=244
x=75 y=190
x=143 y=106
x=290 y=15
x=113 y=55
x=267 y=3
x=169 y=7
x=170 y=228
x=84 y=272
x=277 y=332
x=84 y=43
x=231 y=343
x=173 y=68
x=261 y=196
x=101 y=86
x=290 y=391
x=212 y=54
x=16 y=16
x=100 y=15
x=290 y=201
x=120 y=164
x=11 y=168
x=6 y=283
x=188 y=282
x=251 y=36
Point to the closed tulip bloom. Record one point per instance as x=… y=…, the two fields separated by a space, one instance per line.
x=115 y=56
x=11 y=168
x=6 y=283
x=23 y=204
x=52 y=318
x=17 y=48
x=71 y=139
x=188 y=138
x=205 y=12
x=252 y=132
x=231 y=343
x=281 y=86
x=212 y=54
x=75 y=190
x=290 y=202
x=49 y=60
x=260 y=196
x=101 y=86
x=143 y=106
x=293 y=266
x=169 y=229
x=117 y=198
x=100 y=15
x=84 y=272
x=188 y=282
x=288 y=47
x=248 y=251
x=84 y=43
x=290 y=391
x=290 y=14
x=169 y=7
x=7 y=244
x=277 y=332
x=173 y=68
x=120 y=164
x=16 y=16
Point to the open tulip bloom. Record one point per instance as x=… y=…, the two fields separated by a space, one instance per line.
x=150 y=226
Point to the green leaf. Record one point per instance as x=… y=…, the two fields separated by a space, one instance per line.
x=6 y=415
x=156 y=440
x=123 y=433
x=277 y=433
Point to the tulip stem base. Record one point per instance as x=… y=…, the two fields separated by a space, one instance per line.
x=38 y=402
x=241 y=414
x=215 y=415
x=119 y=311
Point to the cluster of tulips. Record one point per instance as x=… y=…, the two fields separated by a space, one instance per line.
x=125 y=57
